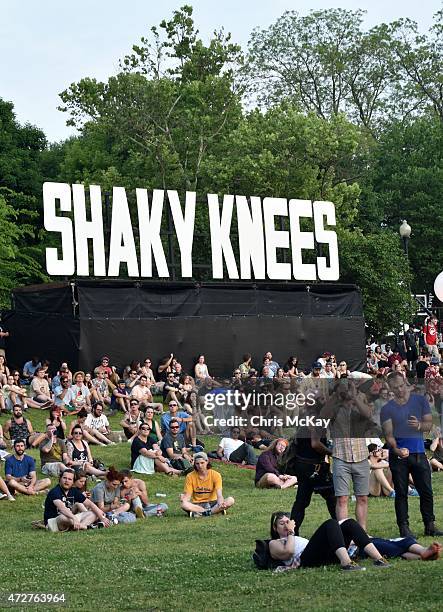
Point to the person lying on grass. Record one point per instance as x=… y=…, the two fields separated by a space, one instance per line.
x=203 y=493
x=329 y=544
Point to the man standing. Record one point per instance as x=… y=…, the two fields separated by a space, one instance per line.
x=404 y=419
x=66 y=508
x=430 y=333
x=20 y=472
x=350 y=415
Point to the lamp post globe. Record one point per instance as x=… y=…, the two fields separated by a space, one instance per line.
x=405 y=233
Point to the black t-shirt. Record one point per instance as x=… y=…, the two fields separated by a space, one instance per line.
x=176 y=385
x=420 y=368
x=304 y=446
x=137 y=445
x=177 y=443
x=69 y=498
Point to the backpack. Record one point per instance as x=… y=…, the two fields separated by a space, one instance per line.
x=262 y=557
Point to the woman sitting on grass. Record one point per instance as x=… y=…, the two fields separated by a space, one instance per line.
x=267 y=475
x=78 y=454
x=203 y=494
x=329 y=544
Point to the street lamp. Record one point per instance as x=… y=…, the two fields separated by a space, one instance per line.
x=405 y=233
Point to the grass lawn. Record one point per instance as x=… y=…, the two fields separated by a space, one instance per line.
x=176 y=563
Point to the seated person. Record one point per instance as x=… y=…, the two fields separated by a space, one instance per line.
x=107 y=496
x=79 y=394
x=134 y=491
x=20 y=472
x=97 y=424
x=146 y=456
x=185 y=421
x=235 y=450
x=142 y=393
x=101 y=389
x=120 y=398
x=55 y=418
x=154 y=425
x=29 y=369
x=437 y=449
x=80 y=420
x=133 y=419
x=66 y=508
x=52 y=450
x=380 y=478
x=78 y=454
x=203 y=493
x=267 y=475
x=174 y=448
x=329 y=544
x=17 y=427
x=40 y=389
x=63 y=396
x=5 y=492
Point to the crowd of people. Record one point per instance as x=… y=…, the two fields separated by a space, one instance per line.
x=380 y=432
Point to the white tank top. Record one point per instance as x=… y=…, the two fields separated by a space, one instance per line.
x=299 y=546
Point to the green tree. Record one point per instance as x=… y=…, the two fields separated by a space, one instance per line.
x=173 y=101
x=325 y=63
x=405 y=182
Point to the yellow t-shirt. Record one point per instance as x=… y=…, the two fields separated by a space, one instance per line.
x=203 y=490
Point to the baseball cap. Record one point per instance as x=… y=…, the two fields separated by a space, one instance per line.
x=317 y=365
x=201 y=455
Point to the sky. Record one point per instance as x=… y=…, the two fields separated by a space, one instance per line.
x=46 y=45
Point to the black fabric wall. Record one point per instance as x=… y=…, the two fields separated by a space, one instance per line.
x=223 y=340
x=133 y=320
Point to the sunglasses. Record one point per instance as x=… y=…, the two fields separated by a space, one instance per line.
x=133 y=404
x=145 y=428
x=172 y=404
x=174 y=427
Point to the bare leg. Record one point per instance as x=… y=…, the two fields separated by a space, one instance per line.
x=92 y=471
x=43 y=484
x=384 y=483
x=101 y=437
x=342 y=507
x=161 y=466
x=228 y=502
x=436 y=465
x=361 y=510
x=90 y=438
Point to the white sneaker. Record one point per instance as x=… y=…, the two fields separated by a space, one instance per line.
x=3 y=495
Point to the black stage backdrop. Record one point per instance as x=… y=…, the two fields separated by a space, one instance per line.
x=80 y=322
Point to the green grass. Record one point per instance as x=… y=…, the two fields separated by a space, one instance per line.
x=176 y=563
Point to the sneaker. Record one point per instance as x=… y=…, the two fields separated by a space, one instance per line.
x=139 y=513
x=382 y=562
x=391 y=494
x=195 y=515
x=3 y=495
x=353 y=567
x=11 y=498
x=100 y=525
x=197 y=448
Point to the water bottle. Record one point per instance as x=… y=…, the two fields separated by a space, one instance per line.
x=160 y=495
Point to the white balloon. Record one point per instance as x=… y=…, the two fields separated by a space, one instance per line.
x=438 y=286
